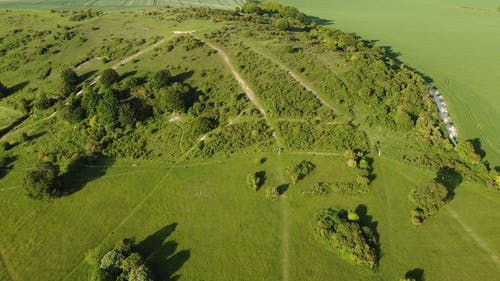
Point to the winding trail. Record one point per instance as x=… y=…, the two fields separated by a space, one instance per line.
x=479 y=241
x=128 y=59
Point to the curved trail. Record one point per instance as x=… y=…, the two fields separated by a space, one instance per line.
x=479 y=241
x=128 y=59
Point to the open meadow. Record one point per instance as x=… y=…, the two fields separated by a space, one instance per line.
x=117 y=4
x=454 y=43
x=207 y=183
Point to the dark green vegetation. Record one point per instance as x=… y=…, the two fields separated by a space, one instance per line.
x=342 y=231
x=123 y=262
x=152 y=128
x=428 y=197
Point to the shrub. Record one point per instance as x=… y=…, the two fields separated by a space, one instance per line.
x=254 y=181
x=301 y=170
x=43 y=182
x=428 y=198
x=122 y=263
x=109 y=77
x=348 y=237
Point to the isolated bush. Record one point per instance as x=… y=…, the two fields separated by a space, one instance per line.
x=301 y=170
x=254 y=181
x=43 y=182
x=122 y=263
x=347 y=236
x=428 y=198
x=109 y=77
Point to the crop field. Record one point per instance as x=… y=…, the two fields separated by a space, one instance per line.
x=116 y=4
x=192 y=214
x=453 y=42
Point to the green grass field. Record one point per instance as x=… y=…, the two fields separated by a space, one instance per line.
x=197 y=219
x=7 y=116
x=453 y=42
x=116 y=4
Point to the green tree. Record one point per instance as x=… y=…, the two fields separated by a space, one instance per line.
x=107 y=110
x=428 y=198
x=173 y=98
x=90 y=100
x=68 y=81
x=43 y=182
x=109 y=77
x=41 y=101
x=159 y=79
x=203 y=125
x=282 y=24
x=126 y=115
x=467 y=153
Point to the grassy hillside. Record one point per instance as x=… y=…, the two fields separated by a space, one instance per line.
x=450 y=41
x=273 y=97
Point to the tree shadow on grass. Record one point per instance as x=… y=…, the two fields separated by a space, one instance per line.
x=18 y=87
x=87 y=75
x=366 y=220
x=82 y=171
x=128 y=74
x=319 y=21
x=163 y=256
x=450 y=178
x=476 y=143
x=417 y=274
x=9 y=128
x=283 y=188
x=395 y=55
x=7 y=166
x=262 y=176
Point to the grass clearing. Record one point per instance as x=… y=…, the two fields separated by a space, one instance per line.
x=8 y=116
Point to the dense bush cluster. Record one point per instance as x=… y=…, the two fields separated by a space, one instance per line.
x=428 y=198
x=299 y=171
x=343 y=232
x=122 y=263
x=321 y=137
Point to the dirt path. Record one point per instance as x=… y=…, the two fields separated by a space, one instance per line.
x=18 y=127
x=248 y=91
x=479 y=241
x=306 y=87
x=285 y=237
x=128 y=59
x=296 y=77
